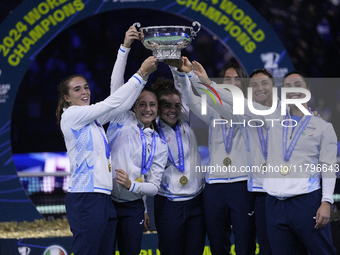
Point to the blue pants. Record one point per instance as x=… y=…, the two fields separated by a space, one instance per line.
x=261 y=223
x=130 y=226
x=227 y=204
x=93 y=220
x=180 y=225
x=291 y=222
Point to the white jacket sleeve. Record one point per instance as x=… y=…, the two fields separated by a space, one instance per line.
x=117 y=76
x=182 y=84
x=328 y=185
x=227 y=101
x=116 y=104
x=145 y=204
x=327 y=161
x=144 y=188
x=196 y=107
x=127 y=101
x=117 y=80
x=225 y=111
x=153 y=177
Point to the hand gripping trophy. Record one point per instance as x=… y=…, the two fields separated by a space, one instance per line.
x=166 y=42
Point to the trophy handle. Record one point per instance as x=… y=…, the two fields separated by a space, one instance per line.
x=193 y=33
x=137 y=24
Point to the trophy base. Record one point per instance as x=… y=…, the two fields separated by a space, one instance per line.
x=169 y=53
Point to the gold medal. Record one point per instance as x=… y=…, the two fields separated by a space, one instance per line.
x=183 y=180
x=140 y=179
x=284 y=170
x=227 y=161
x=109 y=165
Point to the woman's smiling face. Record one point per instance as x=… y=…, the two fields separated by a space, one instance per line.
x=79 y=92
x=146 y=107
x=170 y=109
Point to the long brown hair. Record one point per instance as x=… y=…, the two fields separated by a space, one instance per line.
x=63 y=89
x=240 y=71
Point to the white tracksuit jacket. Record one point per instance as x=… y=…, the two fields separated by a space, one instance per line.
x=239 y=154
x=314 y=155
x=126 y=145
x=84 y=139
x=170 y=186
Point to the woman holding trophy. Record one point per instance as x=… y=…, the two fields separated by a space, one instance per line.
x=90 y=211
x=138 y=154
x=178 y=206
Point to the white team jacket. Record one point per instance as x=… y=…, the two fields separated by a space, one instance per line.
x=313 y=157
x=126 y=145
x=216 y=172
x=316 y=149
x=170 y=186
x=84 y=139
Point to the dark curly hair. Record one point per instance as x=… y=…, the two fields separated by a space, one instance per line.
x=164 y=87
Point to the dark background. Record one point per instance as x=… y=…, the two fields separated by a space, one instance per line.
x=310 y=31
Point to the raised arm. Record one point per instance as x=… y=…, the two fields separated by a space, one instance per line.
x=148 y=66
x=182 y=82
x=227 y=98
x=196 y=106
x=114 y=105
x=117 y=76
x=224 y=110
x=191 y=101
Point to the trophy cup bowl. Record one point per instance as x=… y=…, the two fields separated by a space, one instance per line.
x=166 y=42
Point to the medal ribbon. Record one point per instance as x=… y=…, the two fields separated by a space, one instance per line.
x=181 y=166
x=287 y=153
x=107 y=147
x=228 y=140
x=146 y=166
x=264 y=143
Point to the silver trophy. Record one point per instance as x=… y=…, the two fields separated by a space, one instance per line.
x=166 y=42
